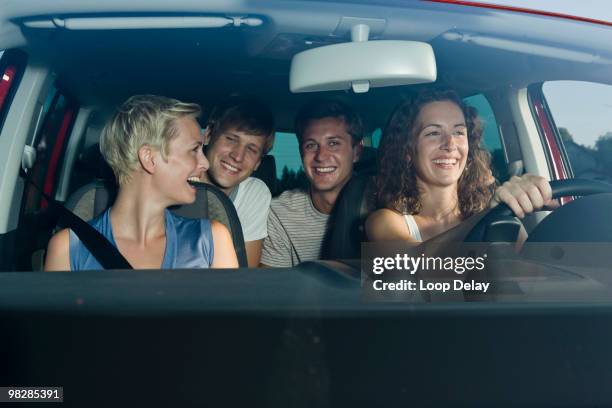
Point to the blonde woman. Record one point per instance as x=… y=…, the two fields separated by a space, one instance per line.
x=154 y=146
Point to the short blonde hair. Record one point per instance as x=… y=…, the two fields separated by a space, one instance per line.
x=142 y=120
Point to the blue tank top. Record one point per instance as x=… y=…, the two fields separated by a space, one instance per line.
x=189 y=243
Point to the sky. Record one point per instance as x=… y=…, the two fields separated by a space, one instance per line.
x=585 y=109
x=595 y=9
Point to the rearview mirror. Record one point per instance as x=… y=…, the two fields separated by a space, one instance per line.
x=361 y=65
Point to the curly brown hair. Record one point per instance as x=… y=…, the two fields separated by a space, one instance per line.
x=396 y=179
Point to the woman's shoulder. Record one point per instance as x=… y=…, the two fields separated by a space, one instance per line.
x=384 y=214
x=386 y=225
x=61 y=238
x=219 y=229
x=58 y=252
x=221 y=235
x=225 y=254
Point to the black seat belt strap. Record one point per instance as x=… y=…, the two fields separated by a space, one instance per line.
x=100 y=247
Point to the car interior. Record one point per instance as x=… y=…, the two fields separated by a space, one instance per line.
x=70 y=64
x=90 y=64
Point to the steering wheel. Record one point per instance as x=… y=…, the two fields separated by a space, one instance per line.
x=500 y=225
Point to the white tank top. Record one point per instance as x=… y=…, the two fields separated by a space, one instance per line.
x=413 y=228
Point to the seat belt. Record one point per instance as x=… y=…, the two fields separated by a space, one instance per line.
x=105 y=253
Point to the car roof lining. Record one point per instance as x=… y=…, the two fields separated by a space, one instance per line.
x=102 y=68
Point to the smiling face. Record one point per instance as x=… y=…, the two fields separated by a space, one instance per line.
x=328 y=154
x=233 y=156
x=184 y=162
x=441 y=143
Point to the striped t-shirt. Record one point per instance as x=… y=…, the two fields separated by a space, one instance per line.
x=295 y=230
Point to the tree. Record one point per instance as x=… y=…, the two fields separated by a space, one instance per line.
x=290 y=180
x=301 y=181
x=566 y=136
x=287 y=179
x=603 y=148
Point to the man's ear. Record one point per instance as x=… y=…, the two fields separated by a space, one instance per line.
x=357 y=150
x=206 y=134
x=258 y=163
x=147 y=158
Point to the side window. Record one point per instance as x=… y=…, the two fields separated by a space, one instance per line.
x=289 y=171
x=582 y=112
x=491 y=138
x=12 y=66
x=375 y=137
x=50 y=143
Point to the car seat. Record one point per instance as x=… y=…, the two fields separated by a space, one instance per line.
x=346 y=226
x=93 y=198
x=367 y=161
x=266 y=172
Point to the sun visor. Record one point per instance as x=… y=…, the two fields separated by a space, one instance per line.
x=360 y=65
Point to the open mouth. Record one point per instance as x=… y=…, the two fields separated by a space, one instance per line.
x=445 y=163
x=324 y=170
x=193 y=180
x=229 y=167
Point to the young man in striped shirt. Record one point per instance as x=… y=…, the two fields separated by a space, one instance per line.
x=330 y=137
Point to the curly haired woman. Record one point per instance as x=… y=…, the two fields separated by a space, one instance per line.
x=433 y=174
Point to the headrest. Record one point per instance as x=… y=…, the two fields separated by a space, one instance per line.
x=92 y=162
x=266 y=172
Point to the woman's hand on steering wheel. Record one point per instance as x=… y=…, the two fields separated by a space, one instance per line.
x=525 y=194
x=496 y=226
